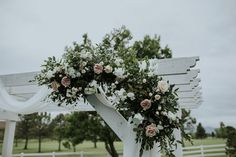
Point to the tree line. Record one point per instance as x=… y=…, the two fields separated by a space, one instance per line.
x=68 y=129
x=225 y=132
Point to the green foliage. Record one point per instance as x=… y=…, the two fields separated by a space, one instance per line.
x=24 y=127
x=76 y=128
x=94 y=127
x=231 y=141
x=188 y=123
x=99 y=130
x=108 y=137
x=40 y=127
x=59 y=125
x=127 y=77
x=200 y=133
x=151 y=48
x=221 y=132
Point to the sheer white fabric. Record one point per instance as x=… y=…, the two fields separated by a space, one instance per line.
x=9 y=103
x=37 y=103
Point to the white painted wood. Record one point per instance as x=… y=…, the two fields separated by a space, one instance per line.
x=8 y=138
x=177 y=133
x=6 y=115
x=182 y=78
x=178 y=71
x=176 y=65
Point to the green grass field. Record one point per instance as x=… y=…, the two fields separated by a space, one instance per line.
x=87 y=146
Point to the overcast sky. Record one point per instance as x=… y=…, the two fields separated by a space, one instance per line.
x=30 y=31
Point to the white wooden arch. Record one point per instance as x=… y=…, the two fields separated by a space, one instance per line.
x=177 y=70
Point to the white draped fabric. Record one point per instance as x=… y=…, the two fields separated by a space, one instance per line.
x=10 y=103
x=37 y=103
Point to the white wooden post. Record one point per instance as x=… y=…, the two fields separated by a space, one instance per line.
x=8 y=138
x=81 y=154
x=177 y=133
x=53 y=154
x=202 y=151
x=22 y=154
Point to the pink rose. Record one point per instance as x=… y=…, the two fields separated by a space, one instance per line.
x=151 y=130
x=55 y=85
x=98 y=68
x=146 y=104
x=65 y=81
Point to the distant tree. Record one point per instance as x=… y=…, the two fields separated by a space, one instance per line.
x=59 y=125
x=98 y=129
x=213 y=134
x=231 y=141
x=109 y=137
x=24 y=127
x=200 y=133
x=150 y=48
x=41 y=127
x=221 y=132
x=76 y=129
x=94 y=127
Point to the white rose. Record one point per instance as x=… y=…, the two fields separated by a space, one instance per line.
x=108 y=69
x=163 y=86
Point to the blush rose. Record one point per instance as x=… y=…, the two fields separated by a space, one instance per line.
x=151 y=130
x=65 y=81
x=146 y=104
x=98 y=68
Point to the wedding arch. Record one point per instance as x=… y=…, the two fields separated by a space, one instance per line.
x=177 y=71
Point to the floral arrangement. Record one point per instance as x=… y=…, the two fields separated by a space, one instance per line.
x=127 y=74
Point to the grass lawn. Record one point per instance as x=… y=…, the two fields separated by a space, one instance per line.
x=87 y=146
x=207 y=141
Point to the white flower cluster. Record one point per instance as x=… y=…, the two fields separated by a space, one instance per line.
x=119 y=72
x=118 y=61
x=71 y=71
x=50 y=73
x=153 y=67
x=86 y=55
x=72 y=92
